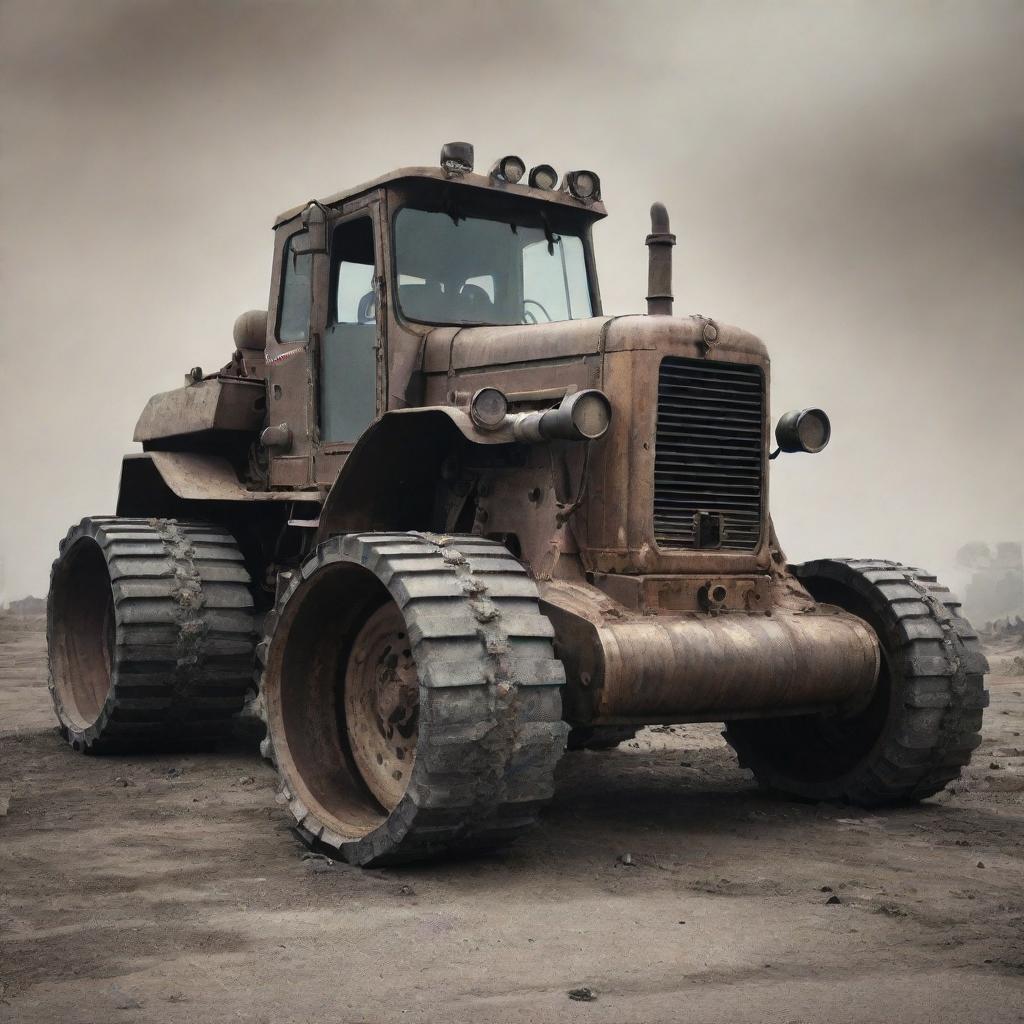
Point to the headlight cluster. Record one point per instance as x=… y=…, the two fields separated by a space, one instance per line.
x=581 y=416
x=488 y=408
x=543 y=176
x=582 y=185
x=508 y=168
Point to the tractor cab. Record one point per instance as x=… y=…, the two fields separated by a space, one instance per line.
x=360 y=279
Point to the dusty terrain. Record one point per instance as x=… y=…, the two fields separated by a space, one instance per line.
x=169 y=889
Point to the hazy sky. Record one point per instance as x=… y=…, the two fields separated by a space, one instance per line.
x=845 y=179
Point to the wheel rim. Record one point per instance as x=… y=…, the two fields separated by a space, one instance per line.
x=382 y=705
x=82 y=634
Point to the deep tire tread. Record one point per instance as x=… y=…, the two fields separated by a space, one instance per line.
x=184 y=635
x=491 y=730
x=938 y=668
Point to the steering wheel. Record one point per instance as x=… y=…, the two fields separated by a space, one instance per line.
x=533 y=316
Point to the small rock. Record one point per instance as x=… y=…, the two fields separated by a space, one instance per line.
x=407 y=890
x=962 y=842
x=583 y=994
x=826 y=888
x=172 y=772
x=119 y=781
x=995 y=765
x=246 y=780
x=627 y=859
x=833 y=901
x=981 y=864
x=891 y=910
x=176 y=997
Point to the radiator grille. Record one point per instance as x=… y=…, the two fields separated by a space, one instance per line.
x=709 y=455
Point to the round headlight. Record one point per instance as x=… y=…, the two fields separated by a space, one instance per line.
x=584 y=185
x=803 y=430
x=508 y=168
x=487 y=408
x=543 y=176
x=591 y=414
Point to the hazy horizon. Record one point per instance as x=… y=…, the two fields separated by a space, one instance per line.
x=846 y=181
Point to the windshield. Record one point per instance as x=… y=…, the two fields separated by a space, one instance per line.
x=470 y=270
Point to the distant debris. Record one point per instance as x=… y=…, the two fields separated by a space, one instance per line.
x=996 y=588
x=28 y=606
x=1004 y=643
x=1010 y=628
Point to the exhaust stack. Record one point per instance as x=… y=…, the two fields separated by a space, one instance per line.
x=659 y=263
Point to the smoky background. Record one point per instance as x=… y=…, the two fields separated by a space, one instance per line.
x=845 y=180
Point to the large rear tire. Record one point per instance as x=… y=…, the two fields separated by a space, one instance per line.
x=149 y=634
x=412 y=697
x=924 y=717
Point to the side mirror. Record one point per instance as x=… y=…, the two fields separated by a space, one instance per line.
x=314 y=220
x=803 y=430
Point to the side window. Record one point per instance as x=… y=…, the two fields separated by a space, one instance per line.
x=348 y=355
x=293 y=319
x=353 y=284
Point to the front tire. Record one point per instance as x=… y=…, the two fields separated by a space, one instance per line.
x=924 y=717
x=412 y=697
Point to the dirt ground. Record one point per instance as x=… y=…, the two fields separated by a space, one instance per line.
x=170 y=889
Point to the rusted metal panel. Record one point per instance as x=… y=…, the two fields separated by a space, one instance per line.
x=216 y=404
x=290 y=471
x=199 y=477
x=406 y=175
x=660 y=594
x=516 y=345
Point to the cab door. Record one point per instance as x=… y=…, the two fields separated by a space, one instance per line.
x=350 y=377
x=290 y=354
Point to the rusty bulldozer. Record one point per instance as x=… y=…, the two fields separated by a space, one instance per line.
x=452 y=518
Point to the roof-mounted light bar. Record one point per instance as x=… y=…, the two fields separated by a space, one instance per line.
x=582 y=185
x=457 y=158
x=508 y=169
x=543 y=176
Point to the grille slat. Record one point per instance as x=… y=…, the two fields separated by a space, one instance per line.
x=709 y=454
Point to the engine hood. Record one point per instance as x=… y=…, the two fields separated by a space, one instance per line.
x=451 y=349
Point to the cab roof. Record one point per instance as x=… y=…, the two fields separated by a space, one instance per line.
x=595 y=210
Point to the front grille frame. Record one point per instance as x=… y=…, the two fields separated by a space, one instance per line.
x=710 y=453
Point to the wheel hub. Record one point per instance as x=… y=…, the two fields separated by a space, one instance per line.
x=382 y=705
